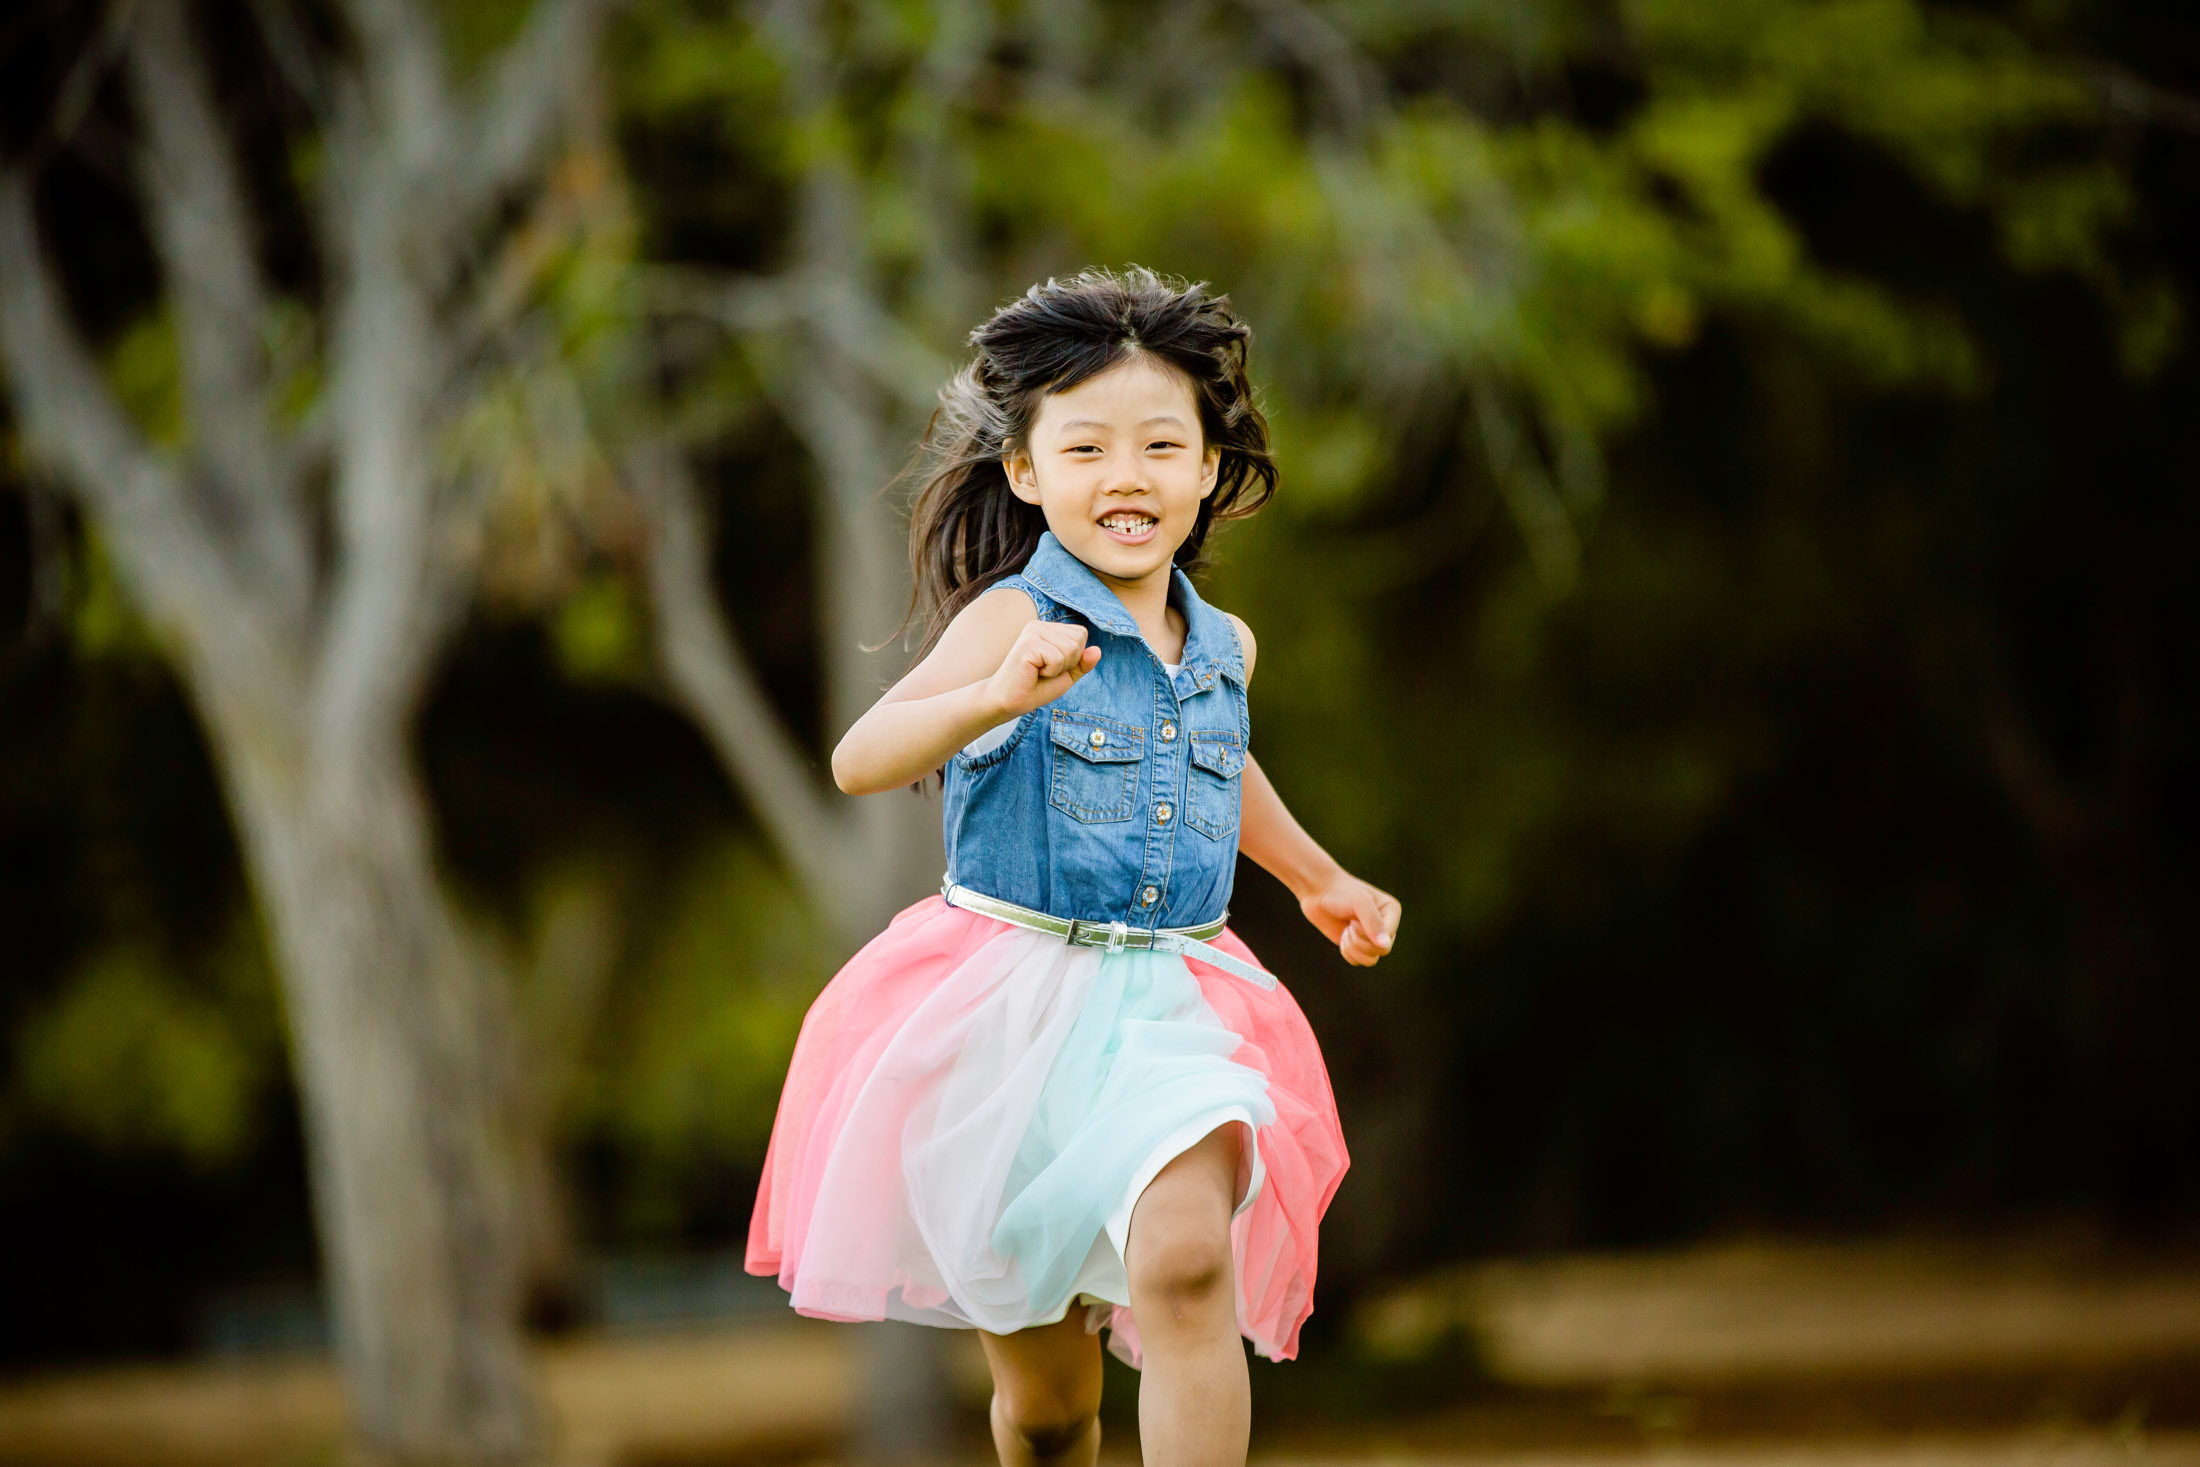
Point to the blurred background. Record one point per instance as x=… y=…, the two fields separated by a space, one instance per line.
x=1733 y=579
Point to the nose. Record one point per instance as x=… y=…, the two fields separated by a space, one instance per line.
x=1125 y=476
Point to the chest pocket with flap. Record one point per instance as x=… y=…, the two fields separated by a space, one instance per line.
x=1211 y=798
x=1095 y=759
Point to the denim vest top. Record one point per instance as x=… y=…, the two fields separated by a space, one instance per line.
x=1117 y=802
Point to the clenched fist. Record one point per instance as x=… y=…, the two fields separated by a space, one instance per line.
x=1047 y=658
x=1362 y=920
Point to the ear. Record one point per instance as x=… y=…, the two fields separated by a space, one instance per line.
x=1022 y=474
x=1210 y=469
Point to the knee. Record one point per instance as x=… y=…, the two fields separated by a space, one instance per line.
x=1048 y=1424
x=1182 y=1268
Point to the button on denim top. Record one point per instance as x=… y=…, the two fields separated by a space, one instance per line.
x=1119 y=800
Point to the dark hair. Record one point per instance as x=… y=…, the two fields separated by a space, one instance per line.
x=967 y=528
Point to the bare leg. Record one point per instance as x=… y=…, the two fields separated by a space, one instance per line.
x=1194 y=1402
x=1046 y=1393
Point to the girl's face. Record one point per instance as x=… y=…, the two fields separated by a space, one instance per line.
x=1118 y=465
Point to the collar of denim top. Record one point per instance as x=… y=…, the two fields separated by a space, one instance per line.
x=1210 y=644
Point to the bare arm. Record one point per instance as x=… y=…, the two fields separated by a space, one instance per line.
x=1360 y=918
x=995 y=662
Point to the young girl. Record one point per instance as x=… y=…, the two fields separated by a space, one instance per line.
x=1062 y=1095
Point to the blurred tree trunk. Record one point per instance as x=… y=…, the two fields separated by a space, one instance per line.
x=400 y=1044
x=306 y=644
x=852 y=383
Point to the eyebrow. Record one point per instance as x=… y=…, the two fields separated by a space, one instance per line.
x=1093 y=423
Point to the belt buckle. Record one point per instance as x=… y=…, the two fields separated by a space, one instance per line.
x=1084 y=934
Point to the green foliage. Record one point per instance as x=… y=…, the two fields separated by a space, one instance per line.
x=681 y=59
x=294 y=360
x=533 y=436
x=148 y=381
x=1398 y=253
x=688 y=1079
x=1433 y=270
x=103 y=620
x=131 y=1056
x=475 y=30
x=597 y=631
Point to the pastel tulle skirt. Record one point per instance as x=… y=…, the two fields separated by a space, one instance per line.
x=973 y=1109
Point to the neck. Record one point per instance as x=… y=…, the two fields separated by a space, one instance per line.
x=1147 y=600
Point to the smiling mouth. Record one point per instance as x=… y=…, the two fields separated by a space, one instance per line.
x=1128 y=522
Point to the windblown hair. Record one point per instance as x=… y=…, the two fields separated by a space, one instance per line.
x=967 y=528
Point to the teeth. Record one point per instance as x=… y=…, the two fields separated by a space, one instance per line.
x=1129 y=524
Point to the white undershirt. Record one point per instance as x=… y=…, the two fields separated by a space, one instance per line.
x=997 y=735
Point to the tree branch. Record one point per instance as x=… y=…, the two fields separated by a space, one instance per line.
x=386 y=358
x=205 y=244
x=528 y=90
x=293 y=56
x=79 y=86
x=418 y=176
x=838 y=414
x=1354 y=87
x=71 y=421
x=714 y=682
x=207 y=255
x=894 y=357
x=2128 y=94
x=406 y=92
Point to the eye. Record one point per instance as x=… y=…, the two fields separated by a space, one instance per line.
x=1163 y=443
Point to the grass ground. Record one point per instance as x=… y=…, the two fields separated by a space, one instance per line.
x=1917 y=1355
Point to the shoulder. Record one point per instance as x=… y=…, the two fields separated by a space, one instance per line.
x=1005 y=607
x=1246 y=644
x=973 y=644
x=989 y=624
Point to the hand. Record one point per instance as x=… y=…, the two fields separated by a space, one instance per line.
x=1048 y=656
x=1362 y=920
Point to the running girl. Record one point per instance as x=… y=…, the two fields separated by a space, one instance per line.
x=1062 y=1096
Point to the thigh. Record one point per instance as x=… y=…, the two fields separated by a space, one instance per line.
x=1048 y=1369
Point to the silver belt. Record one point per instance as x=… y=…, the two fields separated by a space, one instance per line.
x=1189 y=942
